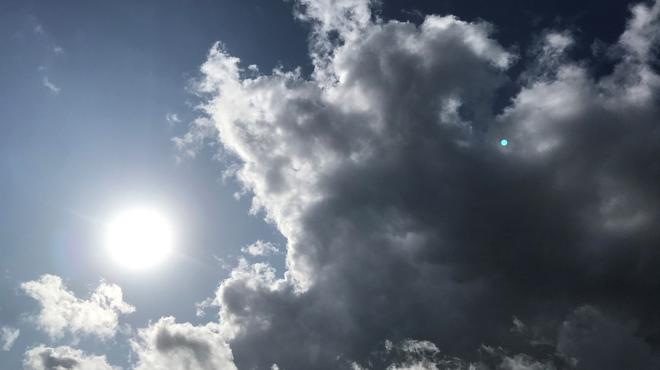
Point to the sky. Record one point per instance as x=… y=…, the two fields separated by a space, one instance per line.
x=329 y=184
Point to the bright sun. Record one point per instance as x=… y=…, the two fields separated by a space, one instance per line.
x=139 y=238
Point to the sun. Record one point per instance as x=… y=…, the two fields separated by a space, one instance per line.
x=139 y=238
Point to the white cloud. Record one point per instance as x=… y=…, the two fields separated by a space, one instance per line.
x=525 y=362
x=642 y=32
x=51 y=86
x=558 y=42
x=63 y=358
x=62 y=312
x=172 y=118
x=192 y=141
x=260 y=248
x=8 y=336
x=169 y=345
x=634 y=80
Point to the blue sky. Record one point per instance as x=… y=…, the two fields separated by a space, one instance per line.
x=397 y=216
x=99 y=140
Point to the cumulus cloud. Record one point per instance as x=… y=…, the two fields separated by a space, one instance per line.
x=169 y=345
x=405 y=218
x=63 y=358
x=260 y=248
x=8 y=336
x=62 y=312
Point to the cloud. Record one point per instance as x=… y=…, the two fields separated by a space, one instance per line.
x=51 y=86
x=192 y=141
x=260 y=248
x=170 y=345
x=63 y=358
x=38 y=29
x=8 y=336
x=524 y=362
x=594 y=340
x=172 y=118
x=420 y=355
x=62 y=312
x=405 y=218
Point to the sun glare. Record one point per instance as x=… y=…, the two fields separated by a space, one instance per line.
x=139 y=238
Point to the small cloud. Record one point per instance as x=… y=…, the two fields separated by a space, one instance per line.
x=201 y=307
x=558 y=41
x=172 y=118
x=260 y=248
x=58 y=49
x=51 y=86
x=8 y=337
x=518 y=325
x=38 y=29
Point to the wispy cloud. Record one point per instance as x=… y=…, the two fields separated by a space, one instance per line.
x=51 y=86
x=8 y=337
x=172 y=118
x=38 y=29
x=260 y=248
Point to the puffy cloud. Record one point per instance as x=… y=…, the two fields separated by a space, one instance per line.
x=63 y=358
x=403 y=216
x=8 y=336
x=169 y=345
x=260 y=248
x=62 y=312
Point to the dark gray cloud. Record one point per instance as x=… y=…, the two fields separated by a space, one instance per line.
x=593 y=340
x=406 y=219
x=167 y=341
x=51 y=362
x=63 y=358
